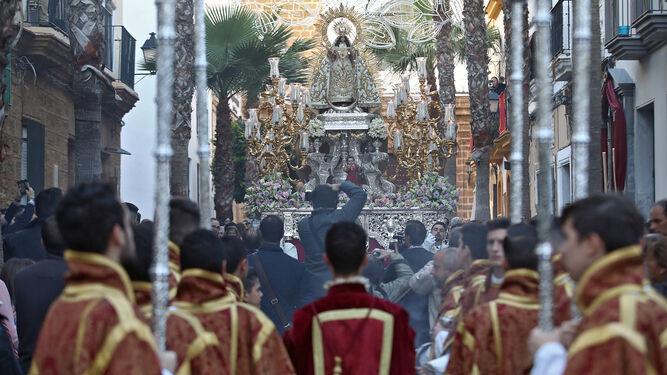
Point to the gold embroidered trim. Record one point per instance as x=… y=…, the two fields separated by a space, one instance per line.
x=610 y=294
x=101 y=260
x=468 y=339
x=234 y=344
x=237 y=281
x=208 y=275
x=206 y=307
x=384 y=317
x=522 y=272
x=663 y=339
x=81 y=329
x=264 y=333
x=611 y=258
x=202 y=340
x=497 y=339
x=602 y=334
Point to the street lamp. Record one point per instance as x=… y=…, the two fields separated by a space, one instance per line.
x=494 y=100
x=150 y=53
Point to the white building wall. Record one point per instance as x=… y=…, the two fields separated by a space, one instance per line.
x=650 y=77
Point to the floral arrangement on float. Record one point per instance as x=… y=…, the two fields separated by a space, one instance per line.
x=378 y=129
x=272 y=193
x=431 y=192
x=316 y=128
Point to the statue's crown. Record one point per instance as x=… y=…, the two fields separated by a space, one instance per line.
x=341 y=28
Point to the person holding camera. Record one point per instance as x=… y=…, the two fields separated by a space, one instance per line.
x=313 y=229
x=375 y=272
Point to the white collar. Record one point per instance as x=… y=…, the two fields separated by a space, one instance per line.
x=348 y=280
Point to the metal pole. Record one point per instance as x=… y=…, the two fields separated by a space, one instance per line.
x=516 y=80
x=544 y=136
x=581 y=100
x=165 y=74
x=204 y=149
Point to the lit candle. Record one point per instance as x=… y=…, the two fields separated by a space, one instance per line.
x=273 y=63
x=295 y=92
x=405 y=78
x=248 y=129
x=422 y=111
x=450 y=134
x=398 y=139
x=301 y=113
x=305 y=96
x=252 y=115
x=277 y=115
x=304 y=140
x=282 y=86
x=391 y=109
x=421 y=67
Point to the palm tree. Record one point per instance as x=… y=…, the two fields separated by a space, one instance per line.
x=477 y=61
x=86 y=35
x=507 y=10
x=446 y=89
x=238 y=64
x=182 y=97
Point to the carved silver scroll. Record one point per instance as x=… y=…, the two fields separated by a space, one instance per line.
x=204 y=149
x=516 y=80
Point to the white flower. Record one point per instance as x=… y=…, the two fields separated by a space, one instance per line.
x=378 y=129
x=316 y=128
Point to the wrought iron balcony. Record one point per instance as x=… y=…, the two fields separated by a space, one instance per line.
x=120 y=58
x=54 y=16
x=635 y=27
x=561 y=40
x=651 y=22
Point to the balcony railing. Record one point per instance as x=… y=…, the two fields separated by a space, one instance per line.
x=650 y=6
x=561 y=27
x=55 y=15
x=120 y=54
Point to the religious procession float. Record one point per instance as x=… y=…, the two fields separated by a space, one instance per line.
x=341 y=128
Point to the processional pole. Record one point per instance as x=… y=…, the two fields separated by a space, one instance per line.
x=516 y=80
x=544 y=136
x=204 y=149
x=581 y=103
x=165 y=81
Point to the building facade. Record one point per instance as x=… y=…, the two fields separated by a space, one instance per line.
x=38 y=135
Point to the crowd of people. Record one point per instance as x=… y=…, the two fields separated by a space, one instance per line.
x=456 y=298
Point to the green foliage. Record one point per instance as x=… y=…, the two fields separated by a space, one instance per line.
x=239 y=150
x=402 y=57
x=238 y=54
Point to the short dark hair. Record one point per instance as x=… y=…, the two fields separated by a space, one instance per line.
x=345 y=246
x=272 y=229
x=440 y=223
x=139 y=269
x=499 y=223
x=53 y=241
x=612 y=217
x=134 y=210
x=236 y=252
x=202 y=249
x=184 y=218
x=323 y=196
x=47 y=201
x=455 y=237
x=250 y=280
x=87 y=215
x=416 y=231
x=520 y=245
x=474 y=236
x=663 y=204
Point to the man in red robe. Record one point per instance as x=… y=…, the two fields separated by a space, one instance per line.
x=94 y=327
x=184 y=217
x=247 y=340
x=492 y=339
x=349 y=331
x=624 y=322
x=462 y=295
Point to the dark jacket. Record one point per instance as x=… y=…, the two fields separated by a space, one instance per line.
x=8 y=363
x=35 y=288
x=415 y=304
x=313 y=229
x=26 y=243
x=289 y=279
x=20 y=222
